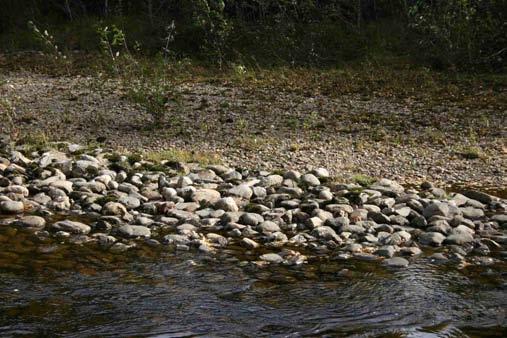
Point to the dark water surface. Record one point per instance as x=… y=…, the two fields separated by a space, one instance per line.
x=58 y=290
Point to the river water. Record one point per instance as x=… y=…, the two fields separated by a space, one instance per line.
x=78 y=291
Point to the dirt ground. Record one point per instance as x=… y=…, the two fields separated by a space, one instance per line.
x=271 y=128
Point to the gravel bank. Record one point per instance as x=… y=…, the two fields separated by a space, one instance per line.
x=271 y=129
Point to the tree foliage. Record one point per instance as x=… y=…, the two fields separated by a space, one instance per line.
x=450 y=33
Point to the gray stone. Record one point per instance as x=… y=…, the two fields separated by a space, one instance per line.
x=251 y=219
x=459 y=238
x=130 y=202
x=396 y=262
x=259 y=192
x=249 y=243
x=272 y=181
x=387 y=251
x=472 y=213
x=500 y=219
x=174 y=239
x=355 y=229
x=436 y=209
x=479 y=196
x=12 y=207
x=310 y=180
x=292 y=175
x=114 y=209
x=227 y=204
x=63 y=185
x=431 y=238
x=379 y=217
x=31 y=222
x=272 y=258
x=411 y=251
x=205 y=196
x=439 y=226
x=134 y=231
x=321 y=173
x=326 y=195
x=71 y=227
x=268 y=227
x=326 y=233
x=242 y=190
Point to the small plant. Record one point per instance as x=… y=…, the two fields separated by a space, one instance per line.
x=170 y=31
x=50 y=46
x=8 y=115
x=363 y=180
x=471 y=153
x=181 y=155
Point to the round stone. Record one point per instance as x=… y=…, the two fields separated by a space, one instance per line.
x=12 y=207
x=396 y=262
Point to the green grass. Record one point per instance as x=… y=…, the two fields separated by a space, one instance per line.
x=471 y=153
x=181 y=155
x=363 y=180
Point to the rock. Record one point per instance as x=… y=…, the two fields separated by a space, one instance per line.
x=130 y=202
x=326 y=195
x=251 y=219
x=354 y=247
x=51 y=157
x=314 y=222
x=205 y=196
x=321 y=173
x=355 y=229
x=326 y=233
x=431 y=238
x=411 y=251
x=268 y=227
x=249 y=244
x=226 y=204
x=119 y=247
x=459 y=238
x=272 y=258
x=292 y=175
x=259 y=192
x=232 y=176
x=500 y=219
x=12 y=207
x=436 y=209
x=396 y=262
x=271 y=181
x=386 y=186
x=134 y=231
x=31 y=222
x=310 y=180
x=242 y=191
x=438 y=257
x=419 y=222
x=439 y=226
x=387 y=251
x=71 y=227
x=479 y=196
x=472 y=213
x=184 y=181
x=398 y=238
x=174 y=239
x=379 y=217
x=114 y=209
x=63 y=185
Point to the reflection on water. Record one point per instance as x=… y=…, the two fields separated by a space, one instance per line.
x=53 y=289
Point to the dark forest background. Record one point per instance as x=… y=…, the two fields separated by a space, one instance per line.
x=452 y=34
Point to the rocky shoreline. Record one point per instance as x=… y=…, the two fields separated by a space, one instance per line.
x=116 y=203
